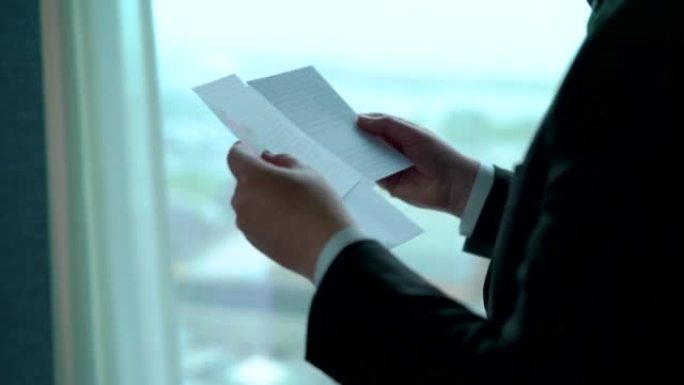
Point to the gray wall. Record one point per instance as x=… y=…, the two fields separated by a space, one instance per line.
x=25 y=328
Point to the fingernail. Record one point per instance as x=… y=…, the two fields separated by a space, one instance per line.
x=364 y=119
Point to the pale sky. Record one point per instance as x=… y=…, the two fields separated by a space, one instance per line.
x=529 y=40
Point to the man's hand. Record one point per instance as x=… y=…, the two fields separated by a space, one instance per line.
x=286 y=210
x=441 y=178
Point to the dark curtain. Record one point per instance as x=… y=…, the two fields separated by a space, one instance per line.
x=25 y=319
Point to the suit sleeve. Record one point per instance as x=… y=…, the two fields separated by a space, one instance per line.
x=576 y=313
x=481 y=241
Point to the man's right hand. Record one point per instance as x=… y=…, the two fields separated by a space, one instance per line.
x=440 y=179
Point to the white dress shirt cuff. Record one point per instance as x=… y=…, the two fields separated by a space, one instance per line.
x=333 y=247
x=484 y=180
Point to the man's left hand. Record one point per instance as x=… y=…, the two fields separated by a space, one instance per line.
x=286 y=210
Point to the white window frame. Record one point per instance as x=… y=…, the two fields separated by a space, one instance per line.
x=112 y=290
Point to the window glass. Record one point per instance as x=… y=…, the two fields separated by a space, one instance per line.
x=478 y=73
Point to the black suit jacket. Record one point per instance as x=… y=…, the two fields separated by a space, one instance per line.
x=585 y=280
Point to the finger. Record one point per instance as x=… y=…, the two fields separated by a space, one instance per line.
x=242 y=161
x=280 y=160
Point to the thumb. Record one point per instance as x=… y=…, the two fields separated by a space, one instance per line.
x=280 y=160
x=395 y=131
x=242 y=160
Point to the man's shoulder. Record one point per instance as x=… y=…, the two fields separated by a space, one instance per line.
x=635 y=17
